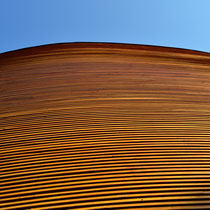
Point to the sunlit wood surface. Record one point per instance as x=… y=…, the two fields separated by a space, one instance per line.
x=104 y=126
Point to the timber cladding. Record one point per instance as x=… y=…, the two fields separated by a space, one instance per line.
x=104 y=126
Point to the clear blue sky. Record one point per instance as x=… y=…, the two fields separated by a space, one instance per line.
x=173 y=23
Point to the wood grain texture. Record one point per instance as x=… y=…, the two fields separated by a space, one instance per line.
x=104 y=126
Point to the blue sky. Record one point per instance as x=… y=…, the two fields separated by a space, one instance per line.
x=172 y=23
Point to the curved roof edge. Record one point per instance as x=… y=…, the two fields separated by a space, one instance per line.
x=65 y=45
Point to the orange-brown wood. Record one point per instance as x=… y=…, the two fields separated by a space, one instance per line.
x=104 y=126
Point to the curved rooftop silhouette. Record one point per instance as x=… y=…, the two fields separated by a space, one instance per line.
x=104 y=126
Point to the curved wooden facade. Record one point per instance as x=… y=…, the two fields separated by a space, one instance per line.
x=104 y=126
